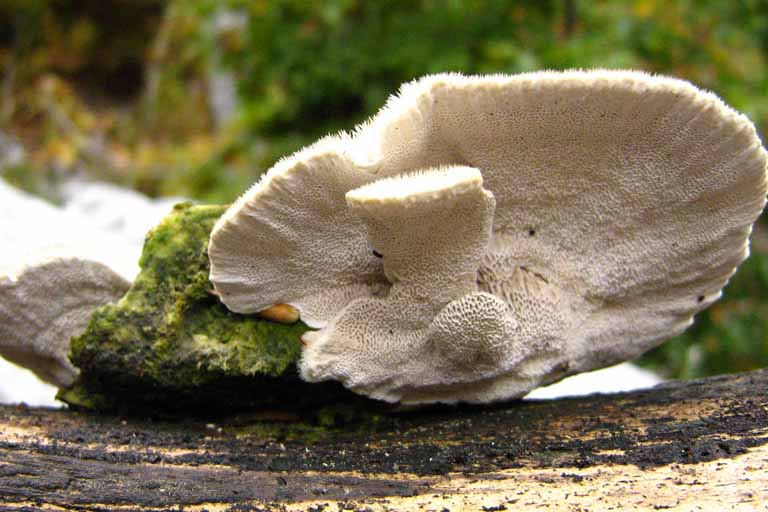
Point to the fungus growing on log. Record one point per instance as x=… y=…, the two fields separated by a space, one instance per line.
x=47 y=304
x=169 y=345
x=624 y=203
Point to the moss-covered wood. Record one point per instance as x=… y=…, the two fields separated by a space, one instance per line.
x=169 y=344
x=683 y=446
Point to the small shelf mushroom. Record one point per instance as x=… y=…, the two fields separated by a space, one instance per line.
x=48 y=303
x=623 y=204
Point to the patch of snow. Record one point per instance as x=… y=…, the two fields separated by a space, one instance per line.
x=119 y=211
x=33 y=230
x=614 y=379
x=18 y=385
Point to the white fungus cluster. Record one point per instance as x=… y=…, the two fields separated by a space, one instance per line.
x=482 y=236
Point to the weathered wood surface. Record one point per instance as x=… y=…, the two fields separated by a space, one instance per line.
x=684 y=446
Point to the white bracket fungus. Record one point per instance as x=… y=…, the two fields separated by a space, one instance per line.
x=623 y=204
x=48 y=303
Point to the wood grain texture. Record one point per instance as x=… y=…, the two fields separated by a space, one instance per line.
x=699 y=445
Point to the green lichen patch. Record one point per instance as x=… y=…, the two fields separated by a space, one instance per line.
x=169 y=344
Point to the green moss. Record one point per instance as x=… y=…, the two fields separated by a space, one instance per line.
x=170 y=343
x=81 y=398
x=349 y=418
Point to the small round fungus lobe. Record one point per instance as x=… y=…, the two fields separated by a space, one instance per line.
x=619 y=197
x=472 y=333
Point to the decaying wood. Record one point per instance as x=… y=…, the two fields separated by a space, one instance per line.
x=684 y=446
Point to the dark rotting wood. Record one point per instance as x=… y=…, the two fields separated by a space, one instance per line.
x=688 y=442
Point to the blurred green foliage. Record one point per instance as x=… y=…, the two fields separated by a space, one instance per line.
x=122 y=89
x=294 y=53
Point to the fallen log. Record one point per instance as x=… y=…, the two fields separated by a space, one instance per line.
x=680 y=446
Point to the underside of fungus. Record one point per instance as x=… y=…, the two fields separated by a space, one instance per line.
x=623 y=204
x=42 y=306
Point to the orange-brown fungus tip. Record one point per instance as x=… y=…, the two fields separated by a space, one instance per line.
x=283 y=313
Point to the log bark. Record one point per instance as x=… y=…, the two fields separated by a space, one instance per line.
x=700 y=445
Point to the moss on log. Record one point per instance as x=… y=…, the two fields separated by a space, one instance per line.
x=682 y=446
x=170 y=345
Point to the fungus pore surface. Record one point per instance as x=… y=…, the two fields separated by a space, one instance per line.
x=623 y=204
x=45 y=306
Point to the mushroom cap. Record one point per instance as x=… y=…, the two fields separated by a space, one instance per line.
x=45 y=306
x=624 y=203
x=432 y=229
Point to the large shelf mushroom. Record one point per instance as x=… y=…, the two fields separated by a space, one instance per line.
x=624 y=203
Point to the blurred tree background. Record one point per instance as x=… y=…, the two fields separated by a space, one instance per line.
x=198 y=97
